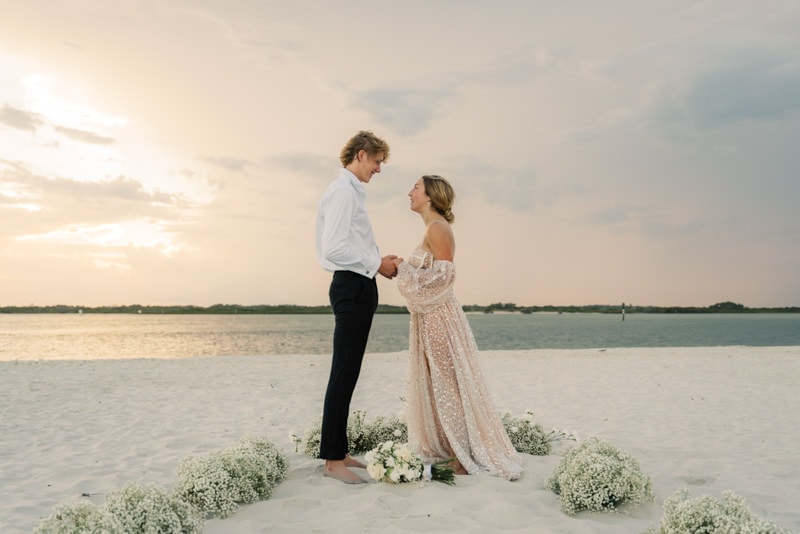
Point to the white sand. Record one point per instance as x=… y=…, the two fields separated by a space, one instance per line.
x=711 y=419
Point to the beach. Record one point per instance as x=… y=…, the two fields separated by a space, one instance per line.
x=709 y=419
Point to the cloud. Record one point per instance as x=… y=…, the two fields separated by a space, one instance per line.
x=58 y=188
x=229 y=163
x=517 y=188
x=84 y=136
x=313 y=165
x=753 y=85
x=406 y=111
x=732 y=83
x=19 y=119
x=63 y=201
x=409 y=110
x=649 y=221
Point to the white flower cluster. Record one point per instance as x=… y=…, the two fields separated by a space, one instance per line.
x=596 y=476
x=361 y=435
x=394 y=462
x=133 y=509
x=210 y=485
x=529 y=437
x=217 y=483
x=706 y=514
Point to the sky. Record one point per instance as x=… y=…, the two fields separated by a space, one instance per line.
x=173 y=152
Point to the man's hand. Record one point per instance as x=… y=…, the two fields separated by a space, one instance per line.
x=388 y=266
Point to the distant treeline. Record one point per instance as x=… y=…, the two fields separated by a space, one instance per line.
x=233 y=309
x=720 y=307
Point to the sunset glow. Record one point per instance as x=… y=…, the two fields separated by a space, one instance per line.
x=174 y=152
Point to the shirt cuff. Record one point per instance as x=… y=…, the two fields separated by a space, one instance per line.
x=372 y=268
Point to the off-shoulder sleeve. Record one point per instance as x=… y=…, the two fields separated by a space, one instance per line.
x=427 y=286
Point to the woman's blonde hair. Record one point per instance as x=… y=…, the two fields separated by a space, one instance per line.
x=441 y=194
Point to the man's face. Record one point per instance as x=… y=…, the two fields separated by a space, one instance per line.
x=367 y=165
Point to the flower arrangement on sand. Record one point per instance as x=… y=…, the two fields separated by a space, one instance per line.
x=395 y=463
x=529 y=437
x=212 y=485
x=362 y=436
x=596 y=476
x=708 y=515
x=218 y=482
x=133 y=509
x=593 y=475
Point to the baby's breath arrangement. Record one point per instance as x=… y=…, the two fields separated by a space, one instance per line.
x=76 y=518
x=310 y=441
x=367 y=436
x=709 y=515
x=210 y=485
x=362 y=436
x=529 y=437
x=151 y=509
x=596 y=476
x=133 y=509
x=217 y=483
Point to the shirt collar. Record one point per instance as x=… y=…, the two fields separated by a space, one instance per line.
x=358 y=184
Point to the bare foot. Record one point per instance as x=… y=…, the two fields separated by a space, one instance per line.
x=349 y=461
x=338 y=470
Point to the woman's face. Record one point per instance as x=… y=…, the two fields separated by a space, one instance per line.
x=418 y=197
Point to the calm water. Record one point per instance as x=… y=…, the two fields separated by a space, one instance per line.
x=101 y=336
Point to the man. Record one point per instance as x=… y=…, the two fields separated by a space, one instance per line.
x=346 y=246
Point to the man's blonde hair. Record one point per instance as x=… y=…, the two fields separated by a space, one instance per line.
x=367 y=141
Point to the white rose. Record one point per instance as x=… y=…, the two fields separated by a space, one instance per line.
x=376 y=471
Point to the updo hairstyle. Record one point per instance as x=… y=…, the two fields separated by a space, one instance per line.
x=441 y=194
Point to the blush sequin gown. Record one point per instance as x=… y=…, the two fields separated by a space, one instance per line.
x=449 y=409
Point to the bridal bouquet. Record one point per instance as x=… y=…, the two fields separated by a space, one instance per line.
x=396 y=463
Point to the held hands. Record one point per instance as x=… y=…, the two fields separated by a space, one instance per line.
x=389 y=265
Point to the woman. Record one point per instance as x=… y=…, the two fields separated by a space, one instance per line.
x=450 y=411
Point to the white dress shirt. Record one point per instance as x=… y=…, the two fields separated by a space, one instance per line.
x=344 y=236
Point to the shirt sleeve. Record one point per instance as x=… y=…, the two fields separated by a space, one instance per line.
x=336 y=244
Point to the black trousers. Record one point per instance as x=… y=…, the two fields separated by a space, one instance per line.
x=354 y=299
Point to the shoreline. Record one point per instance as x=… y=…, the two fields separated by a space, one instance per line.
x=708 y=418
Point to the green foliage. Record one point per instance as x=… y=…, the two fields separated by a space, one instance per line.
x=727 y=306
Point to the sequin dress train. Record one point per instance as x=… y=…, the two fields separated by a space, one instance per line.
x=449 y=411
